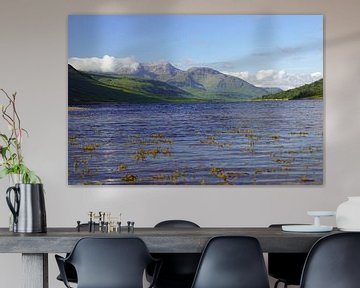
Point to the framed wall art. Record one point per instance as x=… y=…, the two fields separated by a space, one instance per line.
x=195 y=99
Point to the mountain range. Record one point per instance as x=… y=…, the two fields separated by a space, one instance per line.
x=160 y=83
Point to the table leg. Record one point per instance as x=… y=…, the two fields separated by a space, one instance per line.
x=35 y=270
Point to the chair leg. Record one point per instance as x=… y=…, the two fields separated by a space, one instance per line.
x=277 y=283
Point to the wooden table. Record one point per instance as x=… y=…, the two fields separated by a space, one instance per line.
x=35 y=247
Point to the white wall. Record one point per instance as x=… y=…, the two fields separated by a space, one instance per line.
x=33 y=58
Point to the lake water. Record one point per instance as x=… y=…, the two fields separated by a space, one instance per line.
x=275 y=142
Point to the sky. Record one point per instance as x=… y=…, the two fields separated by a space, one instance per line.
x=286 y=50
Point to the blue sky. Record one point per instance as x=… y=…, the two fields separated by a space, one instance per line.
x=229 y=43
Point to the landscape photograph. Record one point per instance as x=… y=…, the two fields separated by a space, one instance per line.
x=195 y=100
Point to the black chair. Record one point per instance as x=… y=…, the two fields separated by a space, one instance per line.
x=178 y=269
x=333 y=262
x=176 y=224
x=108 y=263
x=69 y=269
x=232 y=262
x=70 y=273
x=286 y=267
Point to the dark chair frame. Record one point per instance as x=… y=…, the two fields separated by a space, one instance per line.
x=333 y=262
x=178 y=269
x=286 y=267
x=145 y=257
x=176 y=224
x=70 y=271
x=232 y=261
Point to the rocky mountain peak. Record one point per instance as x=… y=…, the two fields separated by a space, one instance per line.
x=203 y=71
x=161 y=68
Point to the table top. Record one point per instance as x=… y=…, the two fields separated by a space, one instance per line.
x=158 y=240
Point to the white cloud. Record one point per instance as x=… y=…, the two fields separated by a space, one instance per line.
x=243 y=75
x=316 y=74
x=106 y=64
x=277 y=78
x=265 y=74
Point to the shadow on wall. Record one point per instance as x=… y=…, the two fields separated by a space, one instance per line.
x=353 y=37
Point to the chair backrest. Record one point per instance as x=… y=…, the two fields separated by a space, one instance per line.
x=286 y=267
x=178 y=269
x=333 y=262
x=110 y=262
x=232 y=262
x=176 y=224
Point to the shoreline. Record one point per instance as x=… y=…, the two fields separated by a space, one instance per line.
x=77 y=108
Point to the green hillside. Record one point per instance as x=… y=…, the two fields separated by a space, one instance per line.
x=141 y=86
x=308 y=91
x=272 y=90
x=84 y=88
